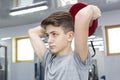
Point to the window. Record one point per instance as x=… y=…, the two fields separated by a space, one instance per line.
x=21 y=3
x=112 y=34
x=62 y=3
x=23 y=49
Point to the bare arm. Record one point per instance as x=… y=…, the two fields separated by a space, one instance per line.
x=82 y=21
x=37 y=43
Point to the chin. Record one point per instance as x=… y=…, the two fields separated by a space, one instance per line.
x=53 y=51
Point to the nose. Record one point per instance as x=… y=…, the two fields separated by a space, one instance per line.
x=50 y=39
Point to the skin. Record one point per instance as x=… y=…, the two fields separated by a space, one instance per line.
x=59 y=42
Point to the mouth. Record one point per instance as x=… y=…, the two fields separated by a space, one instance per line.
x=52 y=46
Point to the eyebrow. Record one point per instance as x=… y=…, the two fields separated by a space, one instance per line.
x=51 y=32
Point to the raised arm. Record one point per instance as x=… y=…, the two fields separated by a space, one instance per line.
x=37 y=43
x=82 y=21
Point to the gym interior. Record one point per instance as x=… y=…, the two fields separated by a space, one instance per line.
x=17 y=58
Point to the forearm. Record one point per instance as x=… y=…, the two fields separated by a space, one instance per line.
x=37 y=43
x=84 y=17
x=88 y=14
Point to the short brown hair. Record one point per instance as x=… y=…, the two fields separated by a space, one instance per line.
x=59 y=19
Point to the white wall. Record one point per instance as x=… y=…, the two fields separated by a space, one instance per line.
x=21 y=70
x=112 y=63
x=16 y=30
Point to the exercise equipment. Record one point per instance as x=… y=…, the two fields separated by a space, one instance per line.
x=4 y=72
x=73 y=11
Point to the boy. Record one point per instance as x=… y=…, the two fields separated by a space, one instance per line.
x=59 y=61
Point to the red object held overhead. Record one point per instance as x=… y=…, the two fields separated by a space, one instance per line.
x=73 y=11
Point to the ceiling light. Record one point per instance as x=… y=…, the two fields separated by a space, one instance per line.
x=5 y=38
x=91 y=37
x=100 y=48
x=111 y=1
x=67 y=2
x=29 y=9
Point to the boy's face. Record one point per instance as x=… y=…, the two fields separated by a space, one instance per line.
x=58 y=41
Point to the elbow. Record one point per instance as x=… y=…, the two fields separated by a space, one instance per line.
x=30 y=31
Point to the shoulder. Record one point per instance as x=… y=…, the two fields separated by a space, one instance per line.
x=80 y=63
x=46 y=57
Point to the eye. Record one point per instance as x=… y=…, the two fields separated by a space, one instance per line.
x=54 y=34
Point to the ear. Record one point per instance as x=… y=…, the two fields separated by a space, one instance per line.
x=70 y=35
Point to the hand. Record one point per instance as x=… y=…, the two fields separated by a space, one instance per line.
x=91 y=11
x=37 y=31
x=96 y=12
x=41 y=31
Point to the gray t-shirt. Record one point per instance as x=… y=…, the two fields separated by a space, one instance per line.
x=68 y=67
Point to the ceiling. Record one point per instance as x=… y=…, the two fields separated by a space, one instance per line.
x=11 y=21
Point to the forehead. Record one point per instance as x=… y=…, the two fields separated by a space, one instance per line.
x=51 y=28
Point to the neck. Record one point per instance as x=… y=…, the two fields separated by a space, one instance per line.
x=64 y=52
